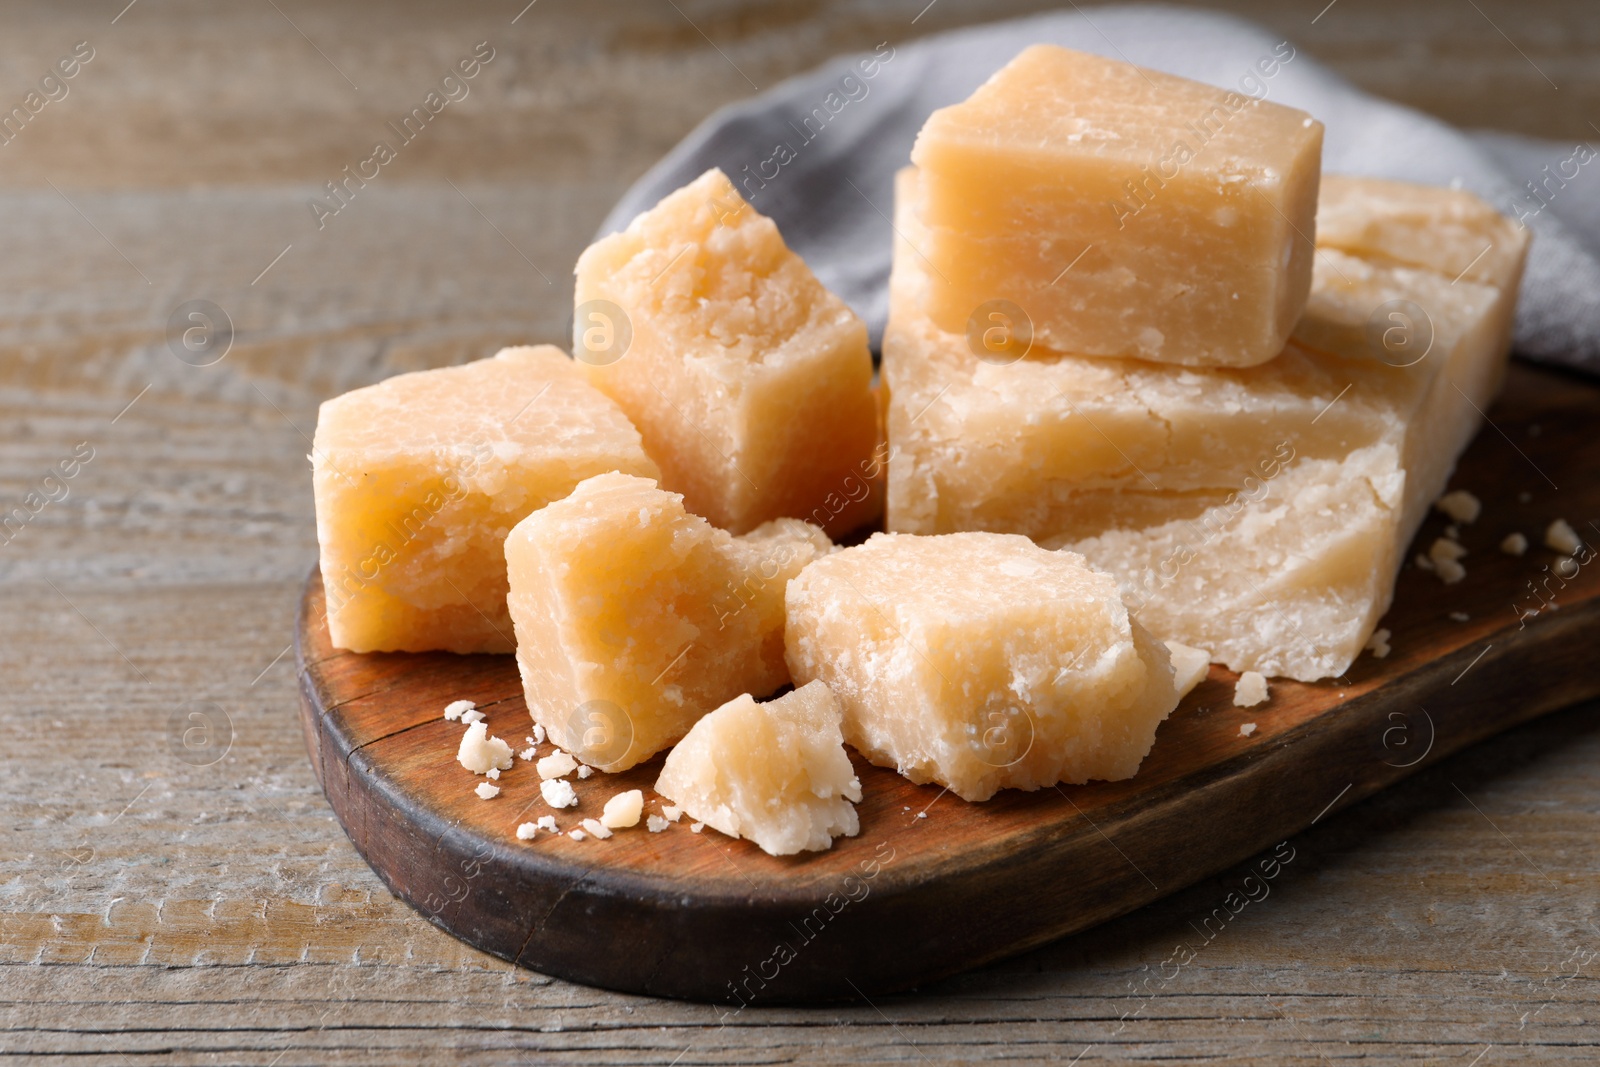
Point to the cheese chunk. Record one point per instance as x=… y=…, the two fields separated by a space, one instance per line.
x=634 y=618
x=749 y=380
x=1257 y=512
x=419 y=478
x=774 y=773
x=1122 y=212
x=979 y=661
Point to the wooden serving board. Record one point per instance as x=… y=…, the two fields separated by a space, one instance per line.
x=934 y=885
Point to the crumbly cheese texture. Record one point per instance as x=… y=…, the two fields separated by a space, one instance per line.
x=775 y=773
x=749 y=380
x=1189 y=666
x=419 y=478
x=1259 y=513
x=1126 y=212
x=634 y=618
x=980 y=661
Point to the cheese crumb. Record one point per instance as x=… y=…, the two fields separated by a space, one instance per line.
x=1514 y=545
x=1378 y=645
x=1247 y=729
x=487 y=791
x=584 y=770
x=1460 y=505
x=526 y=755
x=1189 y=666
x=696 y=827
x=1563 y=538
x=655 y=824
x=454 y=710
x=480 y=753
x=1445 y=555
x=526 y=831
x=558 y=793
x=556 y=765
x=577 y=835
x=493 y=773
x=538 y=735
x=672 y=812
x=548 y=823
x=597 y=828
x=1423 y=562
x=1251 y=689
x=623 y=809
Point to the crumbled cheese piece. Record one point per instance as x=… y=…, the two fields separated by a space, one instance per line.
x=585 y=771
x=558 y=793
x=1251 y=689
x=1566 y=567
x=1379 y=644
x=1247 y=729
x=1423 y=562
x=1189 y=666
x=577 y=835
x=696 y=827
x=470 y=717
x=623 y=809
x=454 y=710
x=547 y=823
x=479 y=752
x=526 y=831
x=538 y=735
x=1563 y=538
x=526 y=755
x=1515 y=544
x=655 y=824
x=1450 y=572
x=922 y=815
x=1445 y=555
x=556 y=765
x=1459 y=616
x=1460 y=505
x=597 y=828
x=493 y=773
x=672 y=812
x=487 y=791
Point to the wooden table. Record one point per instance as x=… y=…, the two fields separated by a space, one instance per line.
x=168 y=896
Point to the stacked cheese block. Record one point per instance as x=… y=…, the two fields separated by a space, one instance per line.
x=1144 y=361
x=1128 y=411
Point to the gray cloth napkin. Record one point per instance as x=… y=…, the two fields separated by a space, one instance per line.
x=818 y=152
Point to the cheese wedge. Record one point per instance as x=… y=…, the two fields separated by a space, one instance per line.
x=419 y=478
x=634 y=618
x=1114 y=211
x=979 y=661
x=774 y=773
x=749 y=380
x=1211 y=493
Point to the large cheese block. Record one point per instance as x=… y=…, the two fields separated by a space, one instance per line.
x=1210 y=493
x=774 y=773
x=1114 y=211
x=419 y=478
x=749 y=380
x=979 y=661
x=634 y=618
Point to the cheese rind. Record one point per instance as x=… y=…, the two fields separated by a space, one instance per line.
x=979 y=661
x=774 y=773
x=1124 y=212
x=418 y=478
x=749 y=380
x=634 y=618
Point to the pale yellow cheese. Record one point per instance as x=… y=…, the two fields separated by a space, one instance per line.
x=1123 y=212
x=773 y=773
x=749 y=380
x=979 y=661
x=1256 y=512
x=634 y=618
x=419 y=478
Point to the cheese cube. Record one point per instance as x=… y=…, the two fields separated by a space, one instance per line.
x=419 y=478
x=980 y=661
x=750 y=381
x=1122 y=212
x=774 y=773
x=634 y=618
x=1258 y=512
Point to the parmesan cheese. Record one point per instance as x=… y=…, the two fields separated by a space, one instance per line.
x=1460 y=505
x=623 y=809
x=480 y=753
x=1560 y=536
x=487 y=791
x=558 y=793
x=556 y=765
x=1250 y=690
x=454 y=709
x=1514 y=544
x=1378 y=645
x=527 y=831
x=596 y=829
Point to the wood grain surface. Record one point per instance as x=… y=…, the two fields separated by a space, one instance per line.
x=169 y=896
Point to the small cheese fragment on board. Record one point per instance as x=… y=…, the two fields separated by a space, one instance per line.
x=1378 y=645
x=1514 y=544
x=418 y=479
x=556 y=765
x=1260 y=513
x=596 y=829
x=487 y=791
x=1124 y=212
x=527 y=831
x=634 y=618
x=480 y=753
x=1460 y=505
x=655 y=824
x=1560 y=536
x=1189 y=666
x=547 y=823
x=1247 y=729
x=773 y=773
x=558 y=793
x=749 y=380
x=980 y=661
x=1250 y=690
x=456 y=708
x=623 y=810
